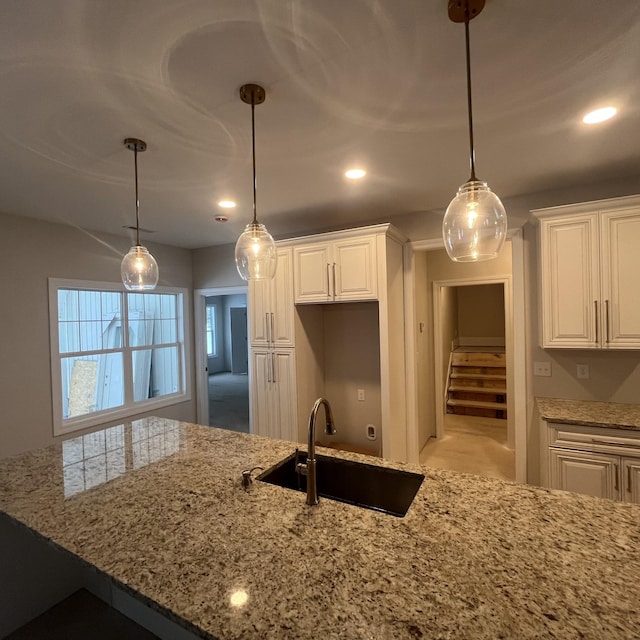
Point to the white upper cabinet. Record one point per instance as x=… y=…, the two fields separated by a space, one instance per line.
x=271 y=311
x=589 y=261
x=342 y=270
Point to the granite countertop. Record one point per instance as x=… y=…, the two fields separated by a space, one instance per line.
x=157 y=506
x=594 y=414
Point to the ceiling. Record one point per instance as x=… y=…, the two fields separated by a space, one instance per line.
x=373 y=83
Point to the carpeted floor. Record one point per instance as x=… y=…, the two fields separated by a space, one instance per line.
x=472 y=445
x=229 y=401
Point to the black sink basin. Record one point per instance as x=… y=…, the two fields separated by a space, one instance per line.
x=364 y=485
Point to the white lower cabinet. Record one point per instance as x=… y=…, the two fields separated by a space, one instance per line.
x=591 y=473
x=273 y=394
x=631 y=479
x=595 y=461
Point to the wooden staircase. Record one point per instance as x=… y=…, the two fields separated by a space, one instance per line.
x=477 y=384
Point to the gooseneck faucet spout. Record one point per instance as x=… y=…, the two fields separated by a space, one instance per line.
x=309 y=469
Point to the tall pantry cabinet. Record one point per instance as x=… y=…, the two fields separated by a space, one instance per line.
x=272 y=363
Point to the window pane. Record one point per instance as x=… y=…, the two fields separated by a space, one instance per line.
x=91 y=383
x=88 y=321
x=212 y=347
x=68 y=337
x=169 y=331
x=155 y=373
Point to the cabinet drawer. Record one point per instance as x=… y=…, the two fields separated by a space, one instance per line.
x=585 y=438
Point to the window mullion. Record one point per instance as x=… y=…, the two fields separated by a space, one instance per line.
x=127 y=357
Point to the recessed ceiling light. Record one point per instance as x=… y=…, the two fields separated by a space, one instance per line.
x=355 y=174
x=221 y=219
x=227 y=204
x=599 y=115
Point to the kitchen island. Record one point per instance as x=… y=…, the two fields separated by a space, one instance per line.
x=157 y=506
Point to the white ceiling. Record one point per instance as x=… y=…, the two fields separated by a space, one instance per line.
x=377 y=83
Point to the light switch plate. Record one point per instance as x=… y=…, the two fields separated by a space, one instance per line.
x=542 y=369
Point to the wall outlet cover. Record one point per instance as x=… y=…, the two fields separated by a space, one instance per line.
x=542 y=369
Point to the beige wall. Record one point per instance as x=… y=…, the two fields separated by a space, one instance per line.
x=352 y=362
x=216 y=267
x=32 y=251
x=481 y=311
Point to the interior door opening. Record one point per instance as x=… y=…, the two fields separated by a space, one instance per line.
x=471 y=366
x=223 y=359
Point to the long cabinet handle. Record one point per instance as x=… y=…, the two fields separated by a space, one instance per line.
x=606 y=308
x=273 y=368
x=617 y=485
x=268 y=365
x=272 y=331
x=629 y=479
x=266 y=327
x=328 y=284
x=334 y=280
x=595 y=305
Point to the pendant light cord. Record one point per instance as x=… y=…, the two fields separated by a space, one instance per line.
x=135 y=164
x=472 y=153
x=253 y=154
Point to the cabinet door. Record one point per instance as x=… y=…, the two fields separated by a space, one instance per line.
x=281 y=318
x=259 y=309
x=261 y=392
x=620 y=234
x=569 y=282
x=355 y=271
x=595 y=474
x=311 y=273
x=631 y=479
x=285 y=424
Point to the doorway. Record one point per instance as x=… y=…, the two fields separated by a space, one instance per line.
x=222 y=358
x=426 y=266
x=472 y=363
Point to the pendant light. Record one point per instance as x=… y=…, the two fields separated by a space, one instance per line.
x=139 y=268
x=475 y=223
x=255 y=250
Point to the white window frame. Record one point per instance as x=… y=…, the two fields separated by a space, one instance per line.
x=130 y=407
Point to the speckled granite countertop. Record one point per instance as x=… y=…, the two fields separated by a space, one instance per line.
x=157 y=506
x=594 y=414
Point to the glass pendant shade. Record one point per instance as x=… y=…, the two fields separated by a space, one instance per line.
x=256 y=257
x=139 y=269
x=475 y=224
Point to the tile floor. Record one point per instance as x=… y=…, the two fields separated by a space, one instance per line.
x=472 y=445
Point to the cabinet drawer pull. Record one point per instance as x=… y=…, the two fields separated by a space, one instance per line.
x=606 y=308
x=617 y=485
x=595 y=304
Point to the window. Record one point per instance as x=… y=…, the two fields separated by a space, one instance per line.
x=114 y=353
x=212 y=347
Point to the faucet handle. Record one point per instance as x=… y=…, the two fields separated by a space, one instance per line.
x=247 y=480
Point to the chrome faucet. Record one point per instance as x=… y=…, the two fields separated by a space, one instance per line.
x=309 y=469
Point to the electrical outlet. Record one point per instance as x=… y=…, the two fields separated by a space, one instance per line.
x=542 y=369
x=360 y=395
x=582 y=371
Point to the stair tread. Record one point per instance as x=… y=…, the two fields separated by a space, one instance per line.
x=493 y=390
x=477 y=403
x=480 y=376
